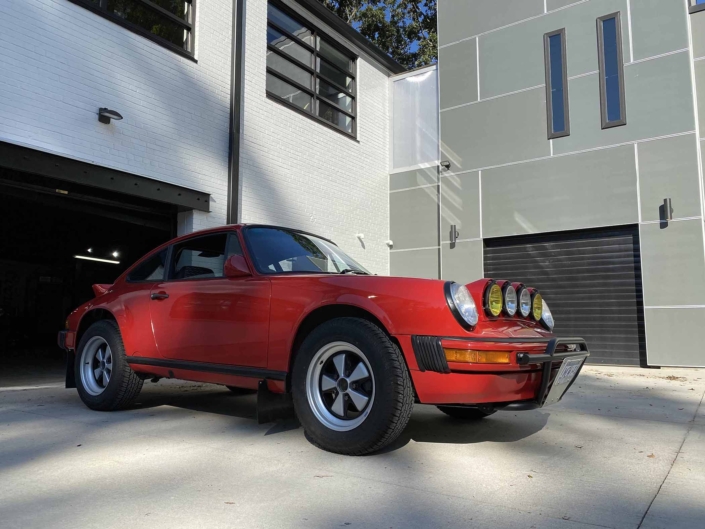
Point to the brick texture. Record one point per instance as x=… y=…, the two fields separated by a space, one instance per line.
x=298 y=173
x=59 y=63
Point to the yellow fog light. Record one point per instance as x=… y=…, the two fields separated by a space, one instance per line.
x=478 y=357
x=537 y=306
x=493 y=300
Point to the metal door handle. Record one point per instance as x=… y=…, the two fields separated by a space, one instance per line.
x=159 y=295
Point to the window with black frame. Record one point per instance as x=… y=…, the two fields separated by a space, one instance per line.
x=309 y=71
x=167 y=22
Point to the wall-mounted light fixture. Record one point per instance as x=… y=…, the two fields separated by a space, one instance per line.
x=446 y=165
x=105 y=115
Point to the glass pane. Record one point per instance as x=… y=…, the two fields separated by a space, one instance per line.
x=611 y=58
x=150 y=270
x=555 y=53
x=334 y=74
x=148 y=19
x=177 y=7
x=334 y=56
x=199 y=258
x=288 y=92
x=415 y=135
x=336 y=117
x=294 y=27
x=293 y=72
x=336 y=96
x=288 y=46
x=278 y=250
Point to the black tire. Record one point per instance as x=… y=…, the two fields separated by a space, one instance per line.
x=124 y=385
x=466 y=414
x=241 y=391
x=394 y=394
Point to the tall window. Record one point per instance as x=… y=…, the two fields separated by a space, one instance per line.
x=309 y=71
x=167 y=22
x=609 y=43
x=697 y=5
x=556 y=84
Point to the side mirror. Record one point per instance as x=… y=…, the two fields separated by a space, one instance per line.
x=236 y=266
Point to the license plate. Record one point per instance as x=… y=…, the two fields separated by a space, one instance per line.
x=566 y=374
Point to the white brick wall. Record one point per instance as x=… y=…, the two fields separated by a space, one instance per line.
x=60 y=62
x=298 y=173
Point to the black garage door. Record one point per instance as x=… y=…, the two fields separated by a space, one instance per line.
x=592 y=281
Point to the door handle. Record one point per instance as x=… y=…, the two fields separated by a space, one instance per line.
x=159 y=295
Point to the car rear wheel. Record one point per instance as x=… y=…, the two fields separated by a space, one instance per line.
x=351 y=388
x=104 y=379
x=241 y=391
x=466 y=413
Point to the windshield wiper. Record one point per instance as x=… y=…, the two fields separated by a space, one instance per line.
x=351 y=271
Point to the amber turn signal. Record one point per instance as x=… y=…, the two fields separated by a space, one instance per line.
x=478 y=357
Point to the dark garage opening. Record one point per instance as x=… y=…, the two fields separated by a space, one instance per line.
x=46 y=223
x=591 y=280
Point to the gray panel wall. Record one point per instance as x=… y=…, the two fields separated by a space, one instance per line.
x=506 y=171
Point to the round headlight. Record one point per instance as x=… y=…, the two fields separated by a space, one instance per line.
x=461 y=304
x=524 y=302
x=547 y=317
x=493 y=300
x=536 y=306
x=510 y=300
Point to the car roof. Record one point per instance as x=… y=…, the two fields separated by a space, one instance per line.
x=207 y=231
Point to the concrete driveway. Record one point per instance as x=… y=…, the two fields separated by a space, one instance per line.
x=626 y=448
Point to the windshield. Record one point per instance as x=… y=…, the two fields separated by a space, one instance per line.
x=277 y=251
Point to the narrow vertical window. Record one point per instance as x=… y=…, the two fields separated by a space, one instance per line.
x=609 y=44
x=556 y=84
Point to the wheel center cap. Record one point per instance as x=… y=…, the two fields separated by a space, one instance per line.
x=342 y=384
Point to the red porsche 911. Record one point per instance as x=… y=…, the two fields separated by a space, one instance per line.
x=288 y=314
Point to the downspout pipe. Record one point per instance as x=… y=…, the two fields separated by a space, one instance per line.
x=236 y=79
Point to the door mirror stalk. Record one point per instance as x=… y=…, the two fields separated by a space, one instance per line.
x=236 y=266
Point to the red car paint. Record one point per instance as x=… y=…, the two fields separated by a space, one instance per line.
x=252 y=322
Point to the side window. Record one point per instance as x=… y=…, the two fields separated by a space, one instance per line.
x=609 y=43
x=556 y=84
x=199 y=258
x=234 y=247
x=150 y=270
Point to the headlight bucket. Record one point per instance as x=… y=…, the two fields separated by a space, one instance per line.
x=546 y=317
x=461 y=304
x=510 y=299
x=524 y=301
x=493 y=300
x=536 y=305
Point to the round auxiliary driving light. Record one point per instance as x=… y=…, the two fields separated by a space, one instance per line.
x=524 y=302
x=493 y=300
x=510 y=300
x=547 y=317
x=536 y=306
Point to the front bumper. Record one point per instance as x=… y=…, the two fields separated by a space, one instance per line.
x=529 y=382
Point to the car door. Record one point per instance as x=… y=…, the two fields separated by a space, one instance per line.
x=136 y=325
x=199 y=315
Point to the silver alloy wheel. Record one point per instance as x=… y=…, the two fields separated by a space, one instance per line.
x=340 y=386
x=96 y=366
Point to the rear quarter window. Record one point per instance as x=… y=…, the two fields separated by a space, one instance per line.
x=150 y=270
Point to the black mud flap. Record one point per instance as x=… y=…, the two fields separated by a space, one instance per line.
x=273 y=406
x=70 y=373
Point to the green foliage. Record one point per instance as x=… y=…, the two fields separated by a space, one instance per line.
x=405 y=29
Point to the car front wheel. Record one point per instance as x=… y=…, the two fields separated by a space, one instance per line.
x=104 y=379
x=351 y=388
